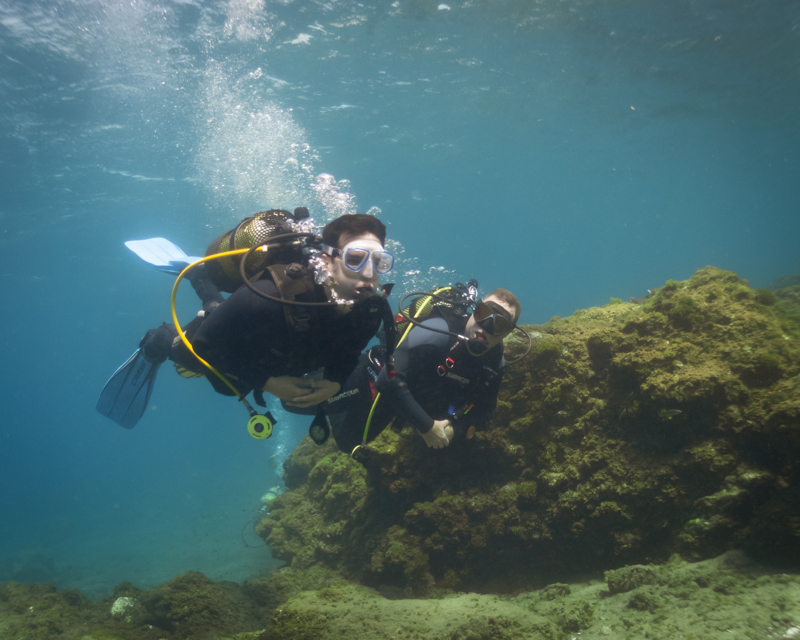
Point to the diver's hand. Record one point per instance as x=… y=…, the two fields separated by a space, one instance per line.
x=436 y=437
x=288 y=387
x=320 y=391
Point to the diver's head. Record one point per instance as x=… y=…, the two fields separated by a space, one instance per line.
x=353 y=224
x=493 y=319
x=355 y=257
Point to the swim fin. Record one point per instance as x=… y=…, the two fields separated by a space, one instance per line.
x=126 y=394
x=161 y=254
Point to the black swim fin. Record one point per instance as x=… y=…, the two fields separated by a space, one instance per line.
x=126 y=394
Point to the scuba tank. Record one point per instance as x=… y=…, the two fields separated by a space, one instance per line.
x=285 y=260
x=445 y=302
x=255 y=230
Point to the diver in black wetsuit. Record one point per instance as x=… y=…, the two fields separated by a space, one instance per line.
x=445 y=387
x=249 y=339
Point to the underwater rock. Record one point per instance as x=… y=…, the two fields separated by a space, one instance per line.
x=128 y=610
x=188 y=607
x=37 y=611
x=725 y=597
x=728 y=596
x=303 y=459
x=630 y=432
x=191 y=605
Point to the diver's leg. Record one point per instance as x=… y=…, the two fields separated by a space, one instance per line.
x=350 y=410
x=157 y=343
x=206 y=290
x=163 y=342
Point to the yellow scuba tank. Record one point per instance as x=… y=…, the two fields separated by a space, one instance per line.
x=255 y=230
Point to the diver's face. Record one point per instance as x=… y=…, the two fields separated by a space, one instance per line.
x=350 y=284
x=475 y=332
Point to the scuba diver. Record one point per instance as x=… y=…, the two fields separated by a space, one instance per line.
x=447 y=371
x=299 y=303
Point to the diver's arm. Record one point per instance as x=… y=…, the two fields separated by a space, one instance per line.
x=205 y=289
x=287 y=387
x=437 y=437
x=318 y=391
x=421 y=342
x=301 y=392
x=397 y=390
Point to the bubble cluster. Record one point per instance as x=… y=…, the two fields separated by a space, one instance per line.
x=250 y=155
x=334 y=196
x=245 y=22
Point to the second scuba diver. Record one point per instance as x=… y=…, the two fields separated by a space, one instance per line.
x=447 y=372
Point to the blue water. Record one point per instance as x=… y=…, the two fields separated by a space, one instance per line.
x=568 y=150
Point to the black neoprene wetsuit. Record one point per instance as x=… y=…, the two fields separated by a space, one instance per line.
x=247 y=337
x=425 y=388
x=418 y=392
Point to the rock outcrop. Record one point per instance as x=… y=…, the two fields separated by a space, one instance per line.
x=728 y=595
x=629 y=433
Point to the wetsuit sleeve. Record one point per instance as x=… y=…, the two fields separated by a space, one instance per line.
x=421 y=346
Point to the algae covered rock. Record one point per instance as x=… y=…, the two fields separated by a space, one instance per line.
x=35 y=611
x=189 y=606
x=128 y=610
x=728 y=596
x=630 y=432
x=349 y=610
x=297 y=466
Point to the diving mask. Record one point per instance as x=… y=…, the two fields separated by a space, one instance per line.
x=356 y=254
x=493 y=318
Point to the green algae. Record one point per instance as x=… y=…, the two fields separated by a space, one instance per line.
x=612 y=442
x=101 y=634
x=730 y=596
x=765 y=297
x=296 y=625
x=725 y=597
x=188 y=607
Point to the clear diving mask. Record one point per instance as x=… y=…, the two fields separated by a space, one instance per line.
x=356 y=254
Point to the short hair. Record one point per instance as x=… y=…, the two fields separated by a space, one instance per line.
x=354 y=224
x=510 y=299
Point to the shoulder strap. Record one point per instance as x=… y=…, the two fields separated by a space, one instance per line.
x=295 y=281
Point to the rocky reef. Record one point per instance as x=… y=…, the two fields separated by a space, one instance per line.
x=640 y=439
x=729 y=597
x=188 y=607
x=726 y=597
x=668 y=425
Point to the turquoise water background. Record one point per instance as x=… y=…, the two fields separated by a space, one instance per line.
x=568 y=150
